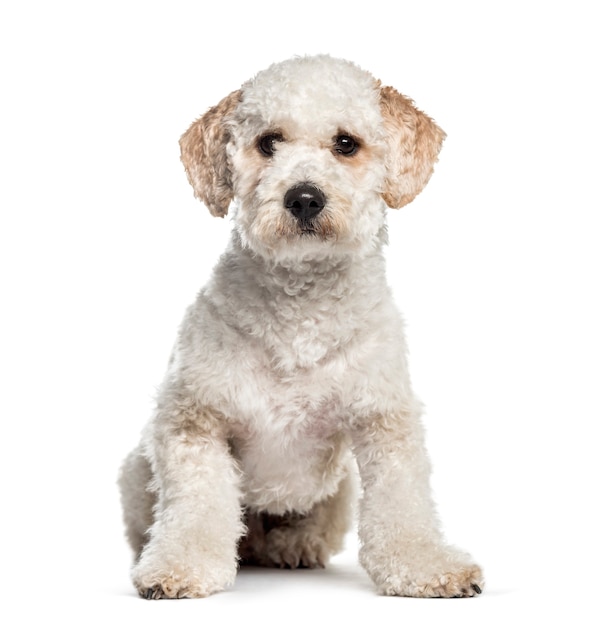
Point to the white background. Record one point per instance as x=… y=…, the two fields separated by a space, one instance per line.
x=496 y=266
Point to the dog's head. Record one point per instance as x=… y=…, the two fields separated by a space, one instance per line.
x=313 y=149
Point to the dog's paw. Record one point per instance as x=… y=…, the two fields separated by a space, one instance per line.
x=293 y=548
x=462 y=583
x=174 y=584
x=421 y=571
x=169 y=580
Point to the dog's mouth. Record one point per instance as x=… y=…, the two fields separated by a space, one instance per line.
x=307 y=227
x=322 y=228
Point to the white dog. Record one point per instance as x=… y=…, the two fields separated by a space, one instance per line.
x=289 y=373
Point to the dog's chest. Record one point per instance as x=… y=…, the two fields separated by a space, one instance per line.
x=289 y=457
x=305 y=337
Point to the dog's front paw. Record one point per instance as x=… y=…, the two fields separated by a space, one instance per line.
x=154 y=579
x=444 y=583
x=425 y=572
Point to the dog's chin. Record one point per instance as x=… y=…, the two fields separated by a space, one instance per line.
x=293 y=241
x=311 y=238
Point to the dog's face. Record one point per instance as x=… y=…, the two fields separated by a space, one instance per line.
x=313 y=150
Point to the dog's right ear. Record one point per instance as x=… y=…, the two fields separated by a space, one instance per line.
x=203 y=153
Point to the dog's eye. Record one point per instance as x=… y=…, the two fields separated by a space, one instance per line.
x=267 y=143
x=345 y=145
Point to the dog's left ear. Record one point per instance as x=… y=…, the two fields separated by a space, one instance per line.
x=203 y=153
x=414 y=141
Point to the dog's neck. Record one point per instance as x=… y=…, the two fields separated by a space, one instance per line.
x=313 y=274
x=301 y=312
x=298 y=311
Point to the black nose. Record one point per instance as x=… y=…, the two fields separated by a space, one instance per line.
x=304 y=201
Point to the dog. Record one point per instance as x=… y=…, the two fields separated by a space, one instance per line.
x=289 y=376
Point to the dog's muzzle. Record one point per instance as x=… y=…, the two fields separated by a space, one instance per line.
x=304 y=201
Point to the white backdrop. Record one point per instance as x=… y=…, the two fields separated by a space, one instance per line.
x=496 y=266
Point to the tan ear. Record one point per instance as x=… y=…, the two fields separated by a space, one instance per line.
x=414 y=141
x=203 y=153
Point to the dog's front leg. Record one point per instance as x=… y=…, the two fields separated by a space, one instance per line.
x=197 y=518
x=402 y=548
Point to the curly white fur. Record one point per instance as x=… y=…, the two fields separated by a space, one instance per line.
x=290 y=367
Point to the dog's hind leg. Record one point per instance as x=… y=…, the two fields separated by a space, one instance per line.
x=300 y=540
x=136 y=499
